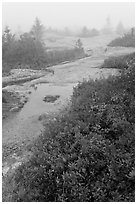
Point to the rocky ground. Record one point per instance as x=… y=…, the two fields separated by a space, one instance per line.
x=20 y=76
x=14 y=93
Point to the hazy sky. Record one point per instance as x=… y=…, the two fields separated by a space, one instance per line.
x=59 y=15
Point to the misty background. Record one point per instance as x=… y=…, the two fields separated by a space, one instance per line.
x=21 y=16
x=41 y=34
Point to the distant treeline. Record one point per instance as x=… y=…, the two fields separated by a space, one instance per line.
x=86 y=32
x=30 y=49
x=89 y=33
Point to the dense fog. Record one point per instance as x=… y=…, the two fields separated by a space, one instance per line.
x=73 y=15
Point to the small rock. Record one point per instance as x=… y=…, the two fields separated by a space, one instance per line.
x=15 y=165
x=50 y=98
x=25 y=101
x=42 y=117
x=21 y=105
x=14 y=109
x=5 y=170
x=4 y=100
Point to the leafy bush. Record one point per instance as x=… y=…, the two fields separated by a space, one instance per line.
x=121 y=62
x=128 y=40
x=86 y=155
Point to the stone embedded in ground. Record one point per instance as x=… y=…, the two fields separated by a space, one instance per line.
x=4 y=100
x=21 y=105
x=5 y=170
x=14 y=109
x=50 y=99
x=42 y=117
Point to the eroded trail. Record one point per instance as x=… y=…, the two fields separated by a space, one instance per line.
x=22 y=127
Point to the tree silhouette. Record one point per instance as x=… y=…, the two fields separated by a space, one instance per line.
x=120 y=28
x=79 y=45
x=37 y=31
x=8 y=40
x=85 y=32
x=107 y=29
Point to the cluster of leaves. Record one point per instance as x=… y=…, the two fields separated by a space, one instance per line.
x=121 y=62
x=86 y=155
x=128 y=40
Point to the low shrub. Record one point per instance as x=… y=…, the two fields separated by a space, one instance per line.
x=128 y=40
x=38 y=62
x=121 y=62
x=87 y=155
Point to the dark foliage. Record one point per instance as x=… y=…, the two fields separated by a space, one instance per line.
x=31 y=51
x=86 y=155
x=128 y=40
x=121 y=62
